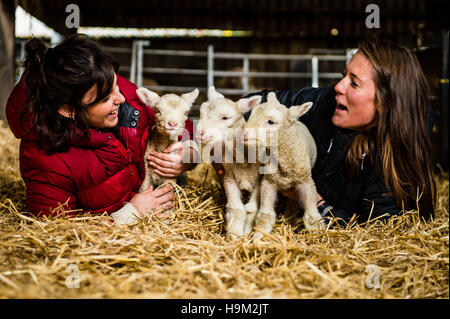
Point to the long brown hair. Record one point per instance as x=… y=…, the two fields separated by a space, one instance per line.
x=399 y=144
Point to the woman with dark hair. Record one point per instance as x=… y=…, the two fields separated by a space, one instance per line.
x=372 y=135
x=83 y=134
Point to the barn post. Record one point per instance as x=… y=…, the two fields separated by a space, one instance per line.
x=133 y=61
x=210 y=73
x=7 y=66
x=140 y=60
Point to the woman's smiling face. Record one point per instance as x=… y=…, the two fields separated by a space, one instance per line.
x=355 y=98
x=104 y=114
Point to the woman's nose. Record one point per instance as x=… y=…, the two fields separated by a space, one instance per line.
x=120 y=98
x=340 y=86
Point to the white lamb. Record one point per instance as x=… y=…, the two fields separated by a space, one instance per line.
x=276 y=127
x=171 y=113
x=220 y=126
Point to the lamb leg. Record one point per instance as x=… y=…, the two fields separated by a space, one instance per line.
x=307 y=198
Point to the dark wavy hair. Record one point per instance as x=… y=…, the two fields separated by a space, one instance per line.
x=400 y=140
x=61 y=76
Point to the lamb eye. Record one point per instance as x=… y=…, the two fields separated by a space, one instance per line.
x=270 y=122
x=225 y=118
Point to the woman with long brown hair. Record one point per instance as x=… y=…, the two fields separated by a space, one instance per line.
x=372 y=135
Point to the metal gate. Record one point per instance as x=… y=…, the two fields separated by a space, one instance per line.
x=137 y=67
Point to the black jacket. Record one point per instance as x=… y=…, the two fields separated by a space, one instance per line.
x=365 y=195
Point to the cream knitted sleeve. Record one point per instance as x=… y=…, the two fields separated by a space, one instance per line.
x=128 y=214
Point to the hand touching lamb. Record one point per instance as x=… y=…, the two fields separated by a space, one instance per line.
x=171 y=113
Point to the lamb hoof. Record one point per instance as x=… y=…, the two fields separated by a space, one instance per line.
x=265 y=220
x=248 y=227
x=311 y=224
x=250 y=218
x=232 y=236
x=236 y=220
x=257 y=236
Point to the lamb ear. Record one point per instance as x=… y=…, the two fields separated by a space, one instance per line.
x=246 y=104
x=272 y=97
x=190 y=97
x=149 y=98
x=213 y=94
x=294 y=112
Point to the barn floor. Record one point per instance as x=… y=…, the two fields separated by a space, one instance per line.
x=187 y=254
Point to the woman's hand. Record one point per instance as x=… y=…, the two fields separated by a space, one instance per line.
x=290 y=193
x=220 y=171
x=169 y=163
x=320 y=200
x=148 y=200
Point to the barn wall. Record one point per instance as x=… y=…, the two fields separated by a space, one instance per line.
x=7 y=11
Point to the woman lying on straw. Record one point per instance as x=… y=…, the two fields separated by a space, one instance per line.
x=83 y=134
x=372 y=134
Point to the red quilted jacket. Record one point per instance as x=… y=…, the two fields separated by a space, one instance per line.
x=97 y=174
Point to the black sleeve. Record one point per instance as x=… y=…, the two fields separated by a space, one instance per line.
x=342 y=217
x=377 y=200
x=320 y=97
x=376 y=203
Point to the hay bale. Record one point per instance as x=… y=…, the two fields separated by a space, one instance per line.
x=187 y=254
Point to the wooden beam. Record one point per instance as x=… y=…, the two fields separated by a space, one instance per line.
x=263 y=17
x=7 y=32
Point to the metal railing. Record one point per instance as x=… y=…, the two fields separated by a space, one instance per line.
x=137 y=68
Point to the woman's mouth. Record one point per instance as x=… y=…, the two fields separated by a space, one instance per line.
x=341 y=108
x=114 y=112
x=113 y=115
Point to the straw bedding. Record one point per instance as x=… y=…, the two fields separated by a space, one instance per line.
x=187 y=254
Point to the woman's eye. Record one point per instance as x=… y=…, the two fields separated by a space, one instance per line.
x=106 y=99
x=270 y=122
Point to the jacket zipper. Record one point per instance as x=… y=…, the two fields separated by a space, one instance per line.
x=329 y=147
x=363 y=155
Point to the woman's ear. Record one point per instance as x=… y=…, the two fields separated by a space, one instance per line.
x=64 y=110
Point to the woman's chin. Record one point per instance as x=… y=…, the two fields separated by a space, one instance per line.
x=109 y=123
x=338 y=120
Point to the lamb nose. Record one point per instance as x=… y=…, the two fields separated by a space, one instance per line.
x=172 y=124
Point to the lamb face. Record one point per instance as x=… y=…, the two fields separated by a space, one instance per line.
x=216 y=117
x=267 y=119
x=171 y=110
x=221 y=117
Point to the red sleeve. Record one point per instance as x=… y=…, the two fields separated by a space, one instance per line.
x=14 y=108
x=49 y=182
x=43 y=197
x=189 y=126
